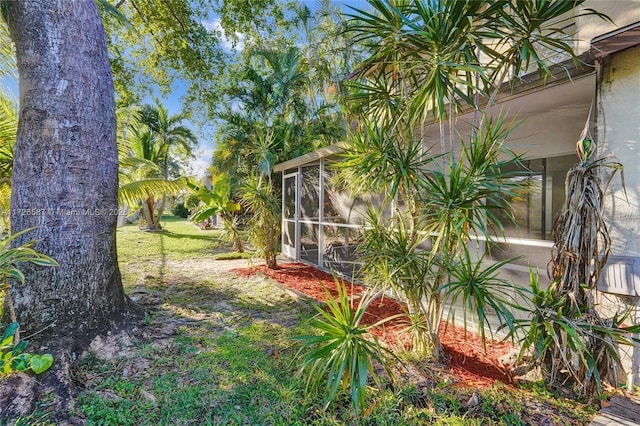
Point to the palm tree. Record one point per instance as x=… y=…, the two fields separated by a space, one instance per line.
x=172 y=138
x=262 y=201
x=150 y=140
x=270 y=118
x=8 y=129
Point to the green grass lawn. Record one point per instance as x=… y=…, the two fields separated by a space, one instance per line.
x=143 y=253
x=217 y=349
x=178 y=240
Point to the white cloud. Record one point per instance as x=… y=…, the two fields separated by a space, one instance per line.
x=201 y=163
x=215 y=26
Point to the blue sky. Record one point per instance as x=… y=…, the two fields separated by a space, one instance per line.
x=173 y=101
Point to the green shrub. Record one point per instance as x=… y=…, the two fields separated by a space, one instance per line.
x=13 y=358
x=180 y=210
x=341 y=355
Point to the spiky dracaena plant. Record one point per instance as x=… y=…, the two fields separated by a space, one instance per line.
x=341 y=354
x=584 y=349
x=437 y=211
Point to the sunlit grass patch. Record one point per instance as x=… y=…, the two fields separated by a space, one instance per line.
x=145 y=255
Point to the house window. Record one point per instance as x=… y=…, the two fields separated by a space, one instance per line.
x=535 y=210
x=536 y=207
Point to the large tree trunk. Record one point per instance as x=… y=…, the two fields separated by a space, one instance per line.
x=65 y=177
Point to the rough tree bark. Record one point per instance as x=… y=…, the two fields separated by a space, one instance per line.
x=65 y=179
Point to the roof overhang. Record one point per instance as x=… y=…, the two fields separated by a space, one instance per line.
x=615 y=41
x=529 y=96
x=310 y=157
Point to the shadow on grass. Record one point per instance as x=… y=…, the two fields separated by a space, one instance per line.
x=249 y=298
x=170 y=234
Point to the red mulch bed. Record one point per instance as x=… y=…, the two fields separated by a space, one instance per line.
x=467 y=357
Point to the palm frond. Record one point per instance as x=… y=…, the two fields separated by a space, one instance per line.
x=133 y=192
x=133 y=168
x=8 y=67
x=8 y=130
x=128 y=121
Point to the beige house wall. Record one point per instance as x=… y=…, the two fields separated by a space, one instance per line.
x=619 y=135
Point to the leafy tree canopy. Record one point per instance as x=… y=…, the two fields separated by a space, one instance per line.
x=284 y=99
x=155 y=44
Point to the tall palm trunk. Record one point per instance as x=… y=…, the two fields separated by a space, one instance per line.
x=149 y=214
x=65 y=178
x=163 y=202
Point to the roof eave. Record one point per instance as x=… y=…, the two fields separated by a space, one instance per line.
x=310 y=157
x=560 y=73
x=615 y=41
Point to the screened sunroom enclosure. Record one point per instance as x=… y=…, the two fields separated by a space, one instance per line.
x=320 y=224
